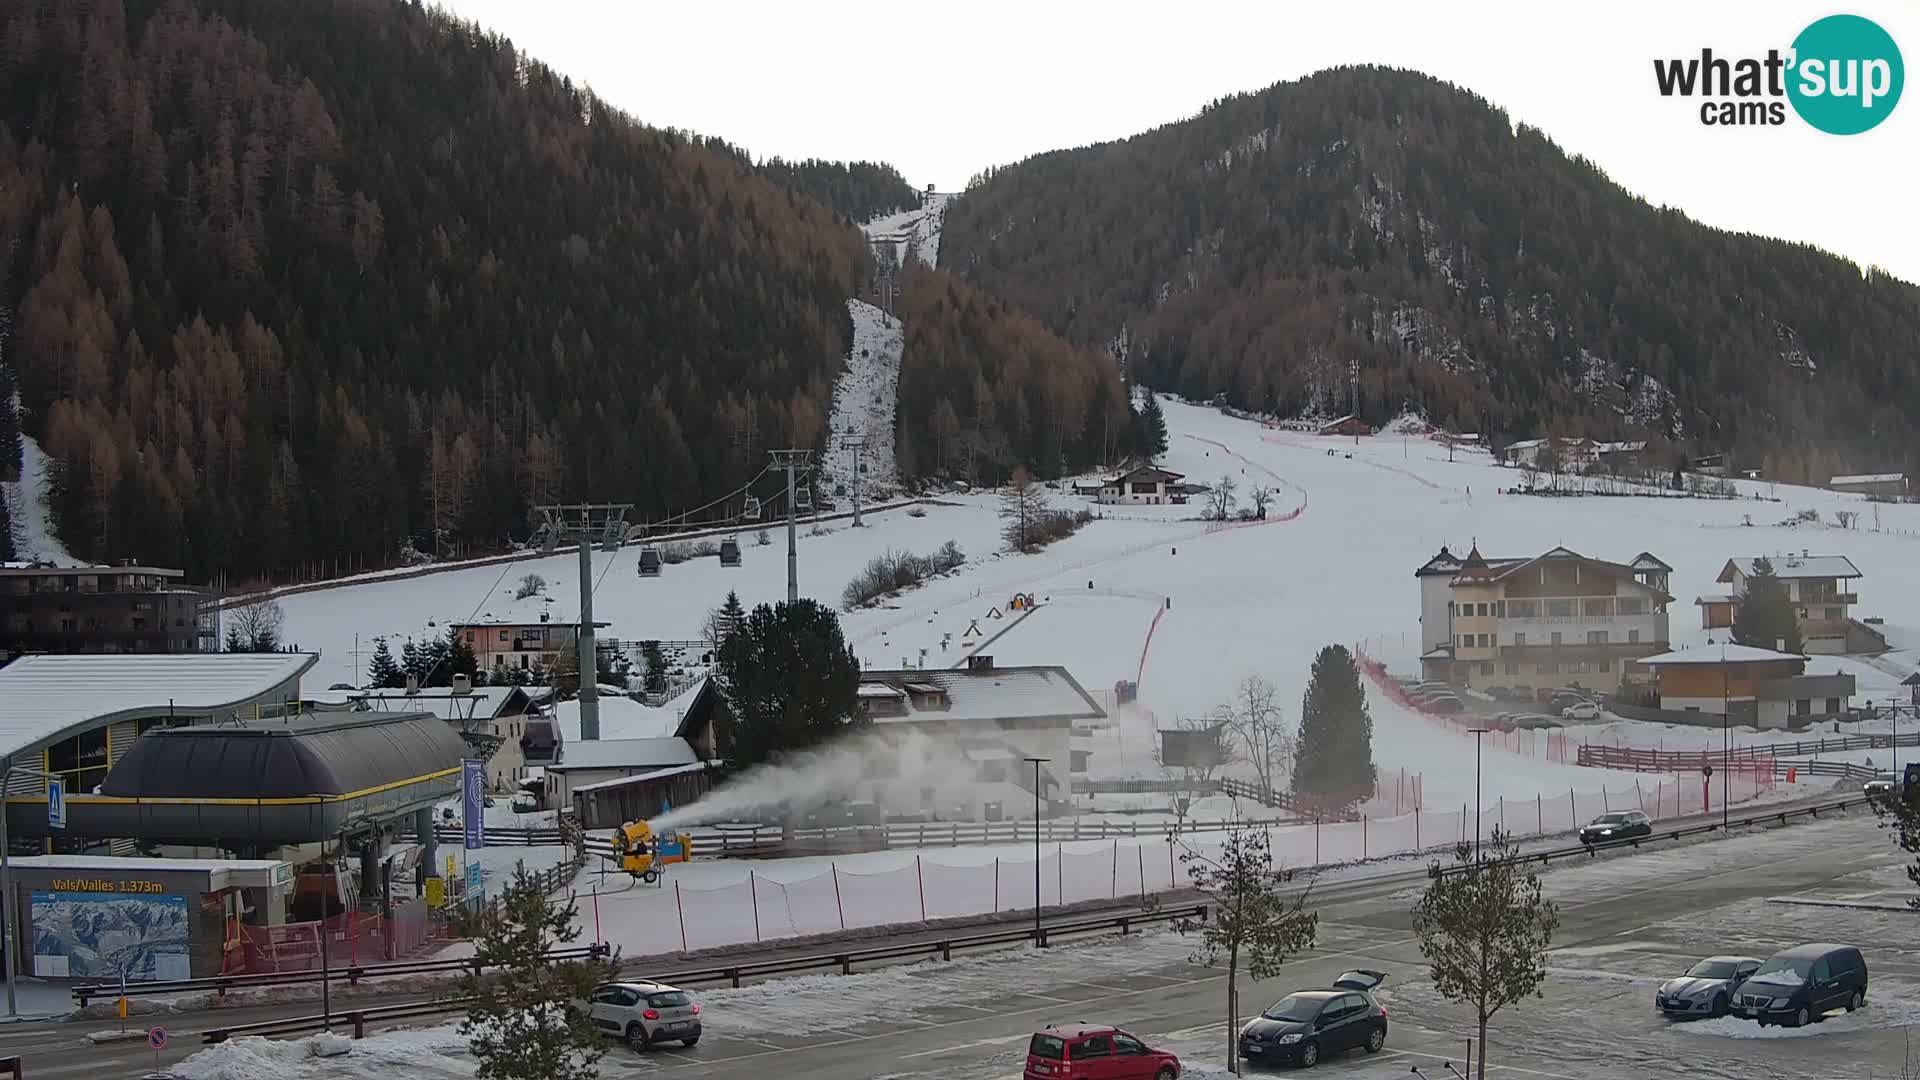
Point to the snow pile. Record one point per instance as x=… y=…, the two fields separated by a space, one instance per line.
x=624 y=718
x=863 y=404
x=428 y=1053
x=1409 y=422
x=33 y=535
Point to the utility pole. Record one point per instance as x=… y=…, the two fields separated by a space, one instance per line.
x=855 y=442
x=795 y=462
x=586 y=524
x=1353 y=395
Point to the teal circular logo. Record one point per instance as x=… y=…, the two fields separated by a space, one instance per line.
x=1846 y=75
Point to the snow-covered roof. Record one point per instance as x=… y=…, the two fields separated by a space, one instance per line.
x=47 y=698
x=879 y=690
x=641 y=778
x=483 y=703
x=1869 y=478
x=1007 y=693
x=1714 y=598
x=625 y=718
x=1795 y=566
x=1718 y=654
x=624 y=754
x=1646 y=561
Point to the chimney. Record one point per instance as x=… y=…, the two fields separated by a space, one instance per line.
x=413 y=684
x=462 y=684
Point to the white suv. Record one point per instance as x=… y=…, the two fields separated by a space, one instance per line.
x=644 y=1013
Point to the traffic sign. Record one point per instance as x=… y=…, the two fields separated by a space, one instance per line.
x=56 y=803
x=157 y=1039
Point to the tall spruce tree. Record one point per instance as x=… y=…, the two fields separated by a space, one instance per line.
x=1334 y=762
x=413 y=662
x=383 y=673
x=461 y=659
x=1153 y=428
x=654 y=681
x=1766 y=616
x=789 y=681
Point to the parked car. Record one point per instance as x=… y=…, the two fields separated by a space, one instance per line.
x=1304 y=1027
x=1581 y=710
x=1799 y=985
x=1707 y=988
x=1619 y=825
x=1444 y=703
x=1884 y=784
x=1095 y=1052
x=644 y=1013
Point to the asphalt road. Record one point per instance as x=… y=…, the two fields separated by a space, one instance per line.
x=1627 y=919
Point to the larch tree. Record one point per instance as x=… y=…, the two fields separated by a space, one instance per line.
x=1023 y=503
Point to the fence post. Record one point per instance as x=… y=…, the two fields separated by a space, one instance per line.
x=1363 y=837
x=1059 y=874
x=1316 y=838
x=834 y=869
x=753 y=890
x=1170 y=878
x=1539 y=816
x=920 y=879
x=1116 y=870
x=1416 y=826
x=597 y=937
x=1141 y=854
x=1605 y=805
x=680 y=907
x=996 y=890
x=1573 y=808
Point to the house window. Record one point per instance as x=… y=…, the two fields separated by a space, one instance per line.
x=1487 y=669
x=1484 y=642
x=1548 y=668
x=1556 y=639
x=1603 y=665
x=1145 y=487
x=1833 y=706
x=1633 y=637
x=1482 y=610
x=1499 y=609
x=1466 y=641
x=504 y=634
x=1596 y=637
x=1597 y=607
x=1560 y=609
x=1834 y=612
x=1513 y=667
x=1577 y=667
x=1803 y=707
x=1630 y=605
x=1520 y=641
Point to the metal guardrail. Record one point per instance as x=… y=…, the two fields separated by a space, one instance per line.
x=349 y=974
x=1781 y=816
x=844 y=961
x=1643 y=760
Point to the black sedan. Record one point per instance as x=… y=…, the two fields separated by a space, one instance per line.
x=1302 y=1028
x=1619 y=825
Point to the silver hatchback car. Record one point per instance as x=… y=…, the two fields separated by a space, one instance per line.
x=644 y=1013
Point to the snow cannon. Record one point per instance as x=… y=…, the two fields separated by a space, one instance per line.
x=644 y=855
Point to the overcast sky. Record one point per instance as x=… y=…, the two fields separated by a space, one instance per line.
x=942 y=91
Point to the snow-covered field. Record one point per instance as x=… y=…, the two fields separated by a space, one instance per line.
x=1334 y=563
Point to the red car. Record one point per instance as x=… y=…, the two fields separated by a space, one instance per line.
x=1095 y=1052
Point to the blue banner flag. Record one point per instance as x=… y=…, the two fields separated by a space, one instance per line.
x=473 y=785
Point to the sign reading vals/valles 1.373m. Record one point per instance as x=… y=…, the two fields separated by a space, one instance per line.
x=106 y=885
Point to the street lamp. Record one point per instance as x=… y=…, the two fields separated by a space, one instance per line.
x=1038 y=940
x=1477 y=733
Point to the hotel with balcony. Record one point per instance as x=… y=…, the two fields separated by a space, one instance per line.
x=1536 y=624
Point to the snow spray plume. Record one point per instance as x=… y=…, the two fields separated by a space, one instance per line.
x=827 y=774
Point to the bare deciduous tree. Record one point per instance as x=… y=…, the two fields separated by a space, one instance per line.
x=1192 y=759
x=1257 y=723
x=1221 y=499
x=1261 y=496
x=255 y=627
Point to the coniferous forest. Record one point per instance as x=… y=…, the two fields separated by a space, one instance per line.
x=302 y=283
x=1468 y=267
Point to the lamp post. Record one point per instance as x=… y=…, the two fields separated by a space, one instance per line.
x=1038 y=940
x=1477 y=733
x=1726 y=735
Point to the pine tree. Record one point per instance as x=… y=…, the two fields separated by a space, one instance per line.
x=413 y=662
x=460 y=658
x=1334 y=761
x=383 y=673
x=655 y=679
x=731 y=616
x=521 y=1023
x=1485 y=930
x=1153 y=428
x=1766 y=614
x=788 y=680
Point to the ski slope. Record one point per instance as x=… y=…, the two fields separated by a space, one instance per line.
x=1190 y=608
x=863 y=405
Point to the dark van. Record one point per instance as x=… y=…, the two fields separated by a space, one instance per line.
x=1800 y=985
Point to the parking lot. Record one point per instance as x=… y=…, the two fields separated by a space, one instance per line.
x=1628 y=922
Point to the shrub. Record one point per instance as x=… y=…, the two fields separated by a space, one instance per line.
x=531 y=585
x=687 y=550
x=896 y=571
x=1057 y=525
